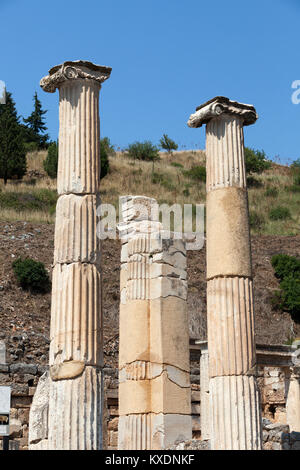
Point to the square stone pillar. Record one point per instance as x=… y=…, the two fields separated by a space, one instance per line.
x=154 y=370
x=76 y=390
x=293 y=396
x=204 y=391
x=234 y=397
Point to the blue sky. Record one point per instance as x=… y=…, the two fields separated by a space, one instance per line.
x=167 y=56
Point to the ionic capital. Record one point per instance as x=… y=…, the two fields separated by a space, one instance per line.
x=69 y=70
x=221 y=105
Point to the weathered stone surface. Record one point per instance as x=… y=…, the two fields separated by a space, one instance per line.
x=76 y=356
x=169 y=335
x=234 y=399
x=38 y=420
x=66 y=370
x=204 y=400
x=232 y=346
x=76 y=314
x=154 y=375
x=76 y=229
x=22 y=368
x=134 y=317
x=220 y=106
x=228 y=208
x=75 y=412
x=2 y=352
x=235 y=413
x=293 y=404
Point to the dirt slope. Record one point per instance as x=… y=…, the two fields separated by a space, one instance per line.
x=25 y=318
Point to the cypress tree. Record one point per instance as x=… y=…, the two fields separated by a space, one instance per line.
x=35 y=124
x=51 y=161
x=104 y=161
x=12 y=152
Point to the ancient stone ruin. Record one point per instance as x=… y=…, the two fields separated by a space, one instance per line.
x=154 y=380
x=75 y=380
x=234 y=398
x=157 y=402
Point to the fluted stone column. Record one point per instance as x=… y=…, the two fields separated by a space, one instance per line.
x=234 y=397
x=75 y=405
x=154 y=370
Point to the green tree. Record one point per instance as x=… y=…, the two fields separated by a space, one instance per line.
x=168 y=144
x=143 y=151
x=110 y=149
x=256 y=161
x=12 y=151
x=104 y=152
x=51 y=161
x=296 y=165
x=35 y=127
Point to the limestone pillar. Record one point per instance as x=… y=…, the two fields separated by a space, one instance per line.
x=204 y=391
x=293 y=401
x=75 y=405
x=154 y=370
x=234 y=397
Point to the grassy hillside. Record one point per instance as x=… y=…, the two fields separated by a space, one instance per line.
x=273 y=196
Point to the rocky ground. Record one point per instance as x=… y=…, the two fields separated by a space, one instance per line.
x=25 y=317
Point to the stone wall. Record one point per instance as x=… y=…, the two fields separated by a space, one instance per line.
x=273 y=384
x=23 y=379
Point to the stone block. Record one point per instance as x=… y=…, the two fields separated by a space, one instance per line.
x=228 y=249
x=169 y=333
x=160 y=395
x=167 y=429
x=134 y=317
x=75 y=236
x=38 y=418
x=2 y=353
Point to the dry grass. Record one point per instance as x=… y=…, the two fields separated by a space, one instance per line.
x=168 y=184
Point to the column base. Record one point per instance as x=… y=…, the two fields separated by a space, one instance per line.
x=153 y=431
x=75 y=412
x=235 y=413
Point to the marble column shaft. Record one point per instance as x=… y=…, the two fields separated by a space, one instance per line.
x=76 y=358
x=234 y=397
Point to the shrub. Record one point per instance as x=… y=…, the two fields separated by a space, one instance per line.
x=297 y=179
x=293 y=189
x=177 y=165
x=51 y=161
x=285 y=265
x=196 y=173
x=163 y=180
x=279 y=213
x=256 y=220
x=143 y=151
x=271 y=192
x=253 y=182
x=168 y=144
x=296 y=164
x=31 y=275
x=287 y=270
x=256 y=161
